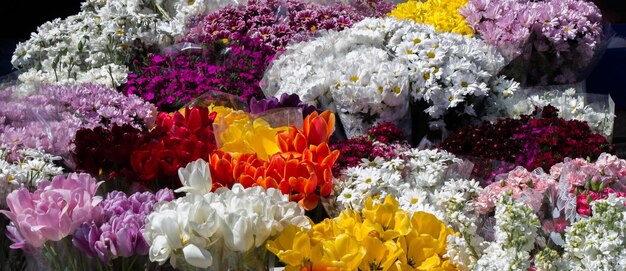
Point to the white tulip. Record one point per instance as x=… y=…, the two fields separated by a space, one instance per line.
x=195 y=177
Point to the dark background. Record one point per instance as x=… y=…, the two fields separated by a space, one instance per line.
x=27 y=16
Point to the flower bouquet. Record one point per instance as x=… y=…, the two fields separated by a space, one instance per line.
x=411 y=176
x=445 y=16
x=534 y=220
x=114 y=240
x=49 y=119
x=380 y=237
x=43 y=221
x=538 y=140
x=278 y=23
x=224 y=229
x=97 y=44
x=597 y=110
x=405 y=61
x=545 y=42
x=179 y=76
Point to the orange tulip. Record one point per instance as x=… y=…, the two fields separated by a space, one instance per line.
x=316 y=130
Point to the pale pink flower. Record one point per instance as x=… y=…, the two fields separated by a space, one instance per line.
x=53 y=211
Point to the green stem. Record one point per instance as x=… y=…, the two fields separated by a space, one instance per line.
x=132 y=263
x=52 y=256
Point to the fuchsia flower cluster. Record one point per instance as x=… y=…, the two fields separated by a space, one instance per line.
x=538 y=140
x=278 y=22
x=119 y=232
x=176 y=78
x=550 y=42
x=53 y=211
x=50 y=119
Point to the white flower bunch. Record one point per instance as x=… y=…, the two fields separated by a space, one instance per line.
x=203 y=223
x=96 y=44
x=412 y=177
x=597 y=242
x=370 y=70
x=597 y=110
x=515 y=232
x=457 y=198
x=31 y=167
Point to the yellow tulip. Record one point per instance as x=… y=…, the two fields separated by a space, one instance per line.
x=343 y=252
x=394 y=221
x=379 y=256
x=237 y=133
x=295 y=248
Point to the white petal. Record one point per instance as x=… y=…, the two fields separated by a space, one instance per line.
x=160 y=249
x=197 y=257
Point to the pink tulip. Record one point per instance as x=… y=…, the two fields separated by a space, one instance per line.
x=53 y=211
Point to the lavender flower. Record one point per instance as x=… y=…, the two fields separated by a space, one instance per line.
x=549 y=42
x=120 y=233
x=49 y=120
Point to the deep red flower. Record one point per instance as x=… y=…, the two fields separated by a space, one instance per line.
x=178 y=138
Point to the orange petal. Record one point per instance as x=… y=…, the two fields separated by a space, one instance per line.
x=318 y=131
x=309 y=202
x=329 y=116
x=246 y=181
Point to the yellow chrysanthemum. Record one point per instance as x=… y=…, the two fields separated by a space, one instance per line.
x=442 y=14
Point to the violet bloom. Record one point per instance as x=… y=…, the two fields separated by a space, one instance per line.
x=53 y=211
x=120 y=234
x=548 y=42
x=49 y=120
x=286 y=100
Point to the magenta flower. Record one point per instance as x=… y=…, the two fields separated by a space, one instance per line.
x=53 y=211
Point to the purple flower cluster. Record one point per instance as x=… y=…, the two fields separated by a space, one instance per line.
x=49 y=120
x=174 y=79
x=550 y=42
x=120 y=232
x=278 y=22
x=286 y=100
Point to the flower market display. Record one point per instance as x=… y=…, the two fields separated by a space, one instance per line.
x=539 y=140
x=379 y=65
x=98 y=43
x=229 y=49
x=348 y=135
x=547 y=42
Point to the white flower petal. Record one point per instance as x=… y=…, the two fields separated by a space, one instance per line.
x=197 y=257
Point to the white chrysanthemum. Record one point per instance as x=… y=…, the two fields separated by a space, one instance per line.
x=594 y=109
x=374 y=67
x=412 y=178
x=92 y=45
